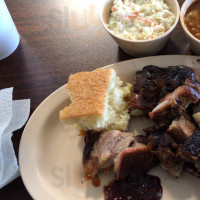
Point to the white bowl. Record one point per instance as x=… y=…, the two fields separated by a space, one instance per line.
x=194 y=42
x=138 y=48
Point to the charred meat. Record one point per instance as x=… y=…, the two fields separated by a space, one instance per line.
x=90 y=164
x=146 y=88
x=181 y=129
x=190 y=150
x=153 y=83
x=170 y=161
x=173 y=105
x=190 y=168
x=166 y=150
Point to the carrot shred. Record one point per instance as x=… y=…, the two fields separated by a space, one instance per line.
x=136 y=13
x=147 y=20
x=131 y=18
x=114 y=9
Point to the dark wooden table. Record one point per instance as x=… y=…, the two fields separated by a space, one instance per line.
x=59 y=37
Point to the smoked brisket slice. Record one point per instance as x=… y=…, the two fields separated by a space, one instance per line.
x=101 y=150
x=133 y=161
x=122 y=150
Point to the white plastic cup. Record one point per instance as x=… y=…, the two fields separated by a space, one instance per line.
x=9 y=36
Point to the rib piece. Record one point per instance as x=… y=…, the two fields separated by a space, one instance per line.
x=193 y=81
x=153 y=83
x=166 y=150
x=100 y=152
x=190 y=150
x=133 y=161
x=170 y=161
x=160 y=138
x=181 y=129
x=173 y=105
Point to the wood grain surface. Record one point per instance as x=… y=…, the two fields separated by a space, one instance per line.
x=59 y=37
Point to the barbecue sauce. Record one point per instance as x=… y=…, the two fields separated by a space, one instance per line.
x=96 y=181
x=145 y=187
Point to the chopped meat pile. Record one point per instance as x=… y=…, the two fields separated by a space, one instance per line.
x=166 y=96
x=115 y=148
x=170 y=97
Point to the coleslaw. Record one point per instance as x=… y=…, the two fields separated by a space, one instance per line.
x=140 y=19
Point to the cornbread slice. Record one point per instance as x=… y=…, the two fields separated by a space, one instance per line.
x=97 y=101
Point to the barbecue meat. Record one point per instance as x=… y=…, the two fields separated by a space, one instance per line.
x=177 y=76
x=181 y=129
x=90 y=164
x=189 y=167
x=173 y=105
x=170 y=161
x=159 y=138
x=133 y=161
x=146 y=88
x=193 y=81
x=190 y=150
x=129 y=156
x=101 y=150
x=153 y=83
x=166 y=150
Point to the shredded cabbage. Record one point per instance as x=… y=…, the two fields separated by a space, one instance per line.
x=140 y=19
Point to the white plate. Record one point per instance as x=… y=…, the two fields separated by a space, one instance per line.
x=50 y=152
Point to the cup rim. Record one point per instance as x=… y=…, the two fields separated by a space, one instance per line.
x=143 y=41
x=183 y=7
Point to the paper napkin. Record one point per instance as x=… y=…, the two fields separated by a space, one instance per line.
x=13 y=115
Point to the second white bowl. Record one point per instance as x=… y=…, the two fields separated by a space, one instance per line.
x=194 y=42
